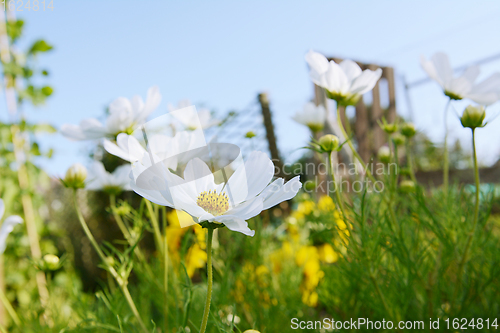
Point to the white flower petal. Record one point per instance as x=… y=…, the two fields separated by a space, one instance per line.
x=235 y=223
x=459 y=86
x=249 y=179
x=153 y=99
x=428 y=67
x=247 y=209
x=151 y=195
x=442 y=67
x=2 y=208
x=471 y=73
x=198 y=172
x=276 y=192
x=72 y=132
x=317 y=62
x=366 y=81
x=334 y=79
x=351 y=69
x=6 y=229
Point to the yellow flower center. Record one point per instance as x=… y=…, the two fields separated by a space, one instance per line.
x=213 y=203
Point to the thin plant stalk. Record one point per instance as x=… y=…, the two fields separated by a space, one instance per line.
x=121 y=283
x=156 y=226
x=126 y=233
x=10 y=309
x=476 y=207
x=29 y=217
x=446 y=162
x=165 y=266
x=209 y=281
x=337 y=187
x=392 y=215
x=349 y=142
x=409 y=161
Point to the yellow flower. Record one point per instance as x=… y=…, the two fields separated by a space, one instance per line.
x=327 y=254
x=304 y=208
x=195 y=258
x=310 y=298
x=280 y=256
x=262 y=273
x=343 y=231
x=326 y=204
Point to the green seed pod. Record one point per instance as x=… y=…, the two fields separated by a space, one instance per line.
x=407 y=186
x=384 y=154
x=408 y=130
x=398 y=139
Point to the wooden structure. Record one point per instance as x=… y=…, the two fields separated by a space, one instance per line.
x=368 y=134
x=270 y=136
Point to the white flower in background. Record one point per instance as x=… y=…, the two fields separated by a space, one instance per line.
x=124 y=116
x=458 y=87
x=344 y=82
x=7 y=226
x=193 y=121
x=160 y=148
x=311 y=116
x=101 y=180
x=247 y=192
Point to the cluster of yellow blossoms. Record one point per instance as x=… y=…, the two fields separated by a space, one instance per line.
x=310 y=257
x=196 y=255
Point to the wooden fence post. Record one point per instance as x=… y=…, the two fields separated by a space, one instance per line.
x=271 y=137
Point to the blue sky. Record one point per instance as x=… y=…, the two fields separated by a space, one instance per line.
x=222 y=53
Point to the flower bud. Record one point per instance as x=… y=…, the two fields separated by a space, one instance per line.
x=75 y=176
x=389 y=128
x=473 y=116
x=407 y=186
x=329 y=143
x=398 y=139
x=251 y=331
x=51 y=262
x=408 y=130
x=384 y=154
x=250 y=134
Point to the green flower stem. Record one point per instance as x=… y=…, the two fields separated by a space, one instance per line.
x=476 y=208
x=349 y=142
x=410 y=161
x=10 y=309
x=121 y=282
x=337 y=188
x=156 y=226
x=446 y=163
x=165 y=266
x=128 y=237
x=210 y=281
x=163 y=248
x=392 y=215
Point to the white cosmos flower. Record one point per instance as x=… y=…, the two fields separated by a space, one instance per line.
x=193 y=121
x=101 y=180
x=344 y=82
x=458 y=87
x=311 y=116
x=124 y=115
x=247 y=192
x=7 y=226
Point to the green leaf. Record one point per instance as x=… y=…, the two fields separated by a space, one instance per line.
x=15 y=29
x=44 y=128
x=47 y=91
x=39 y=46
